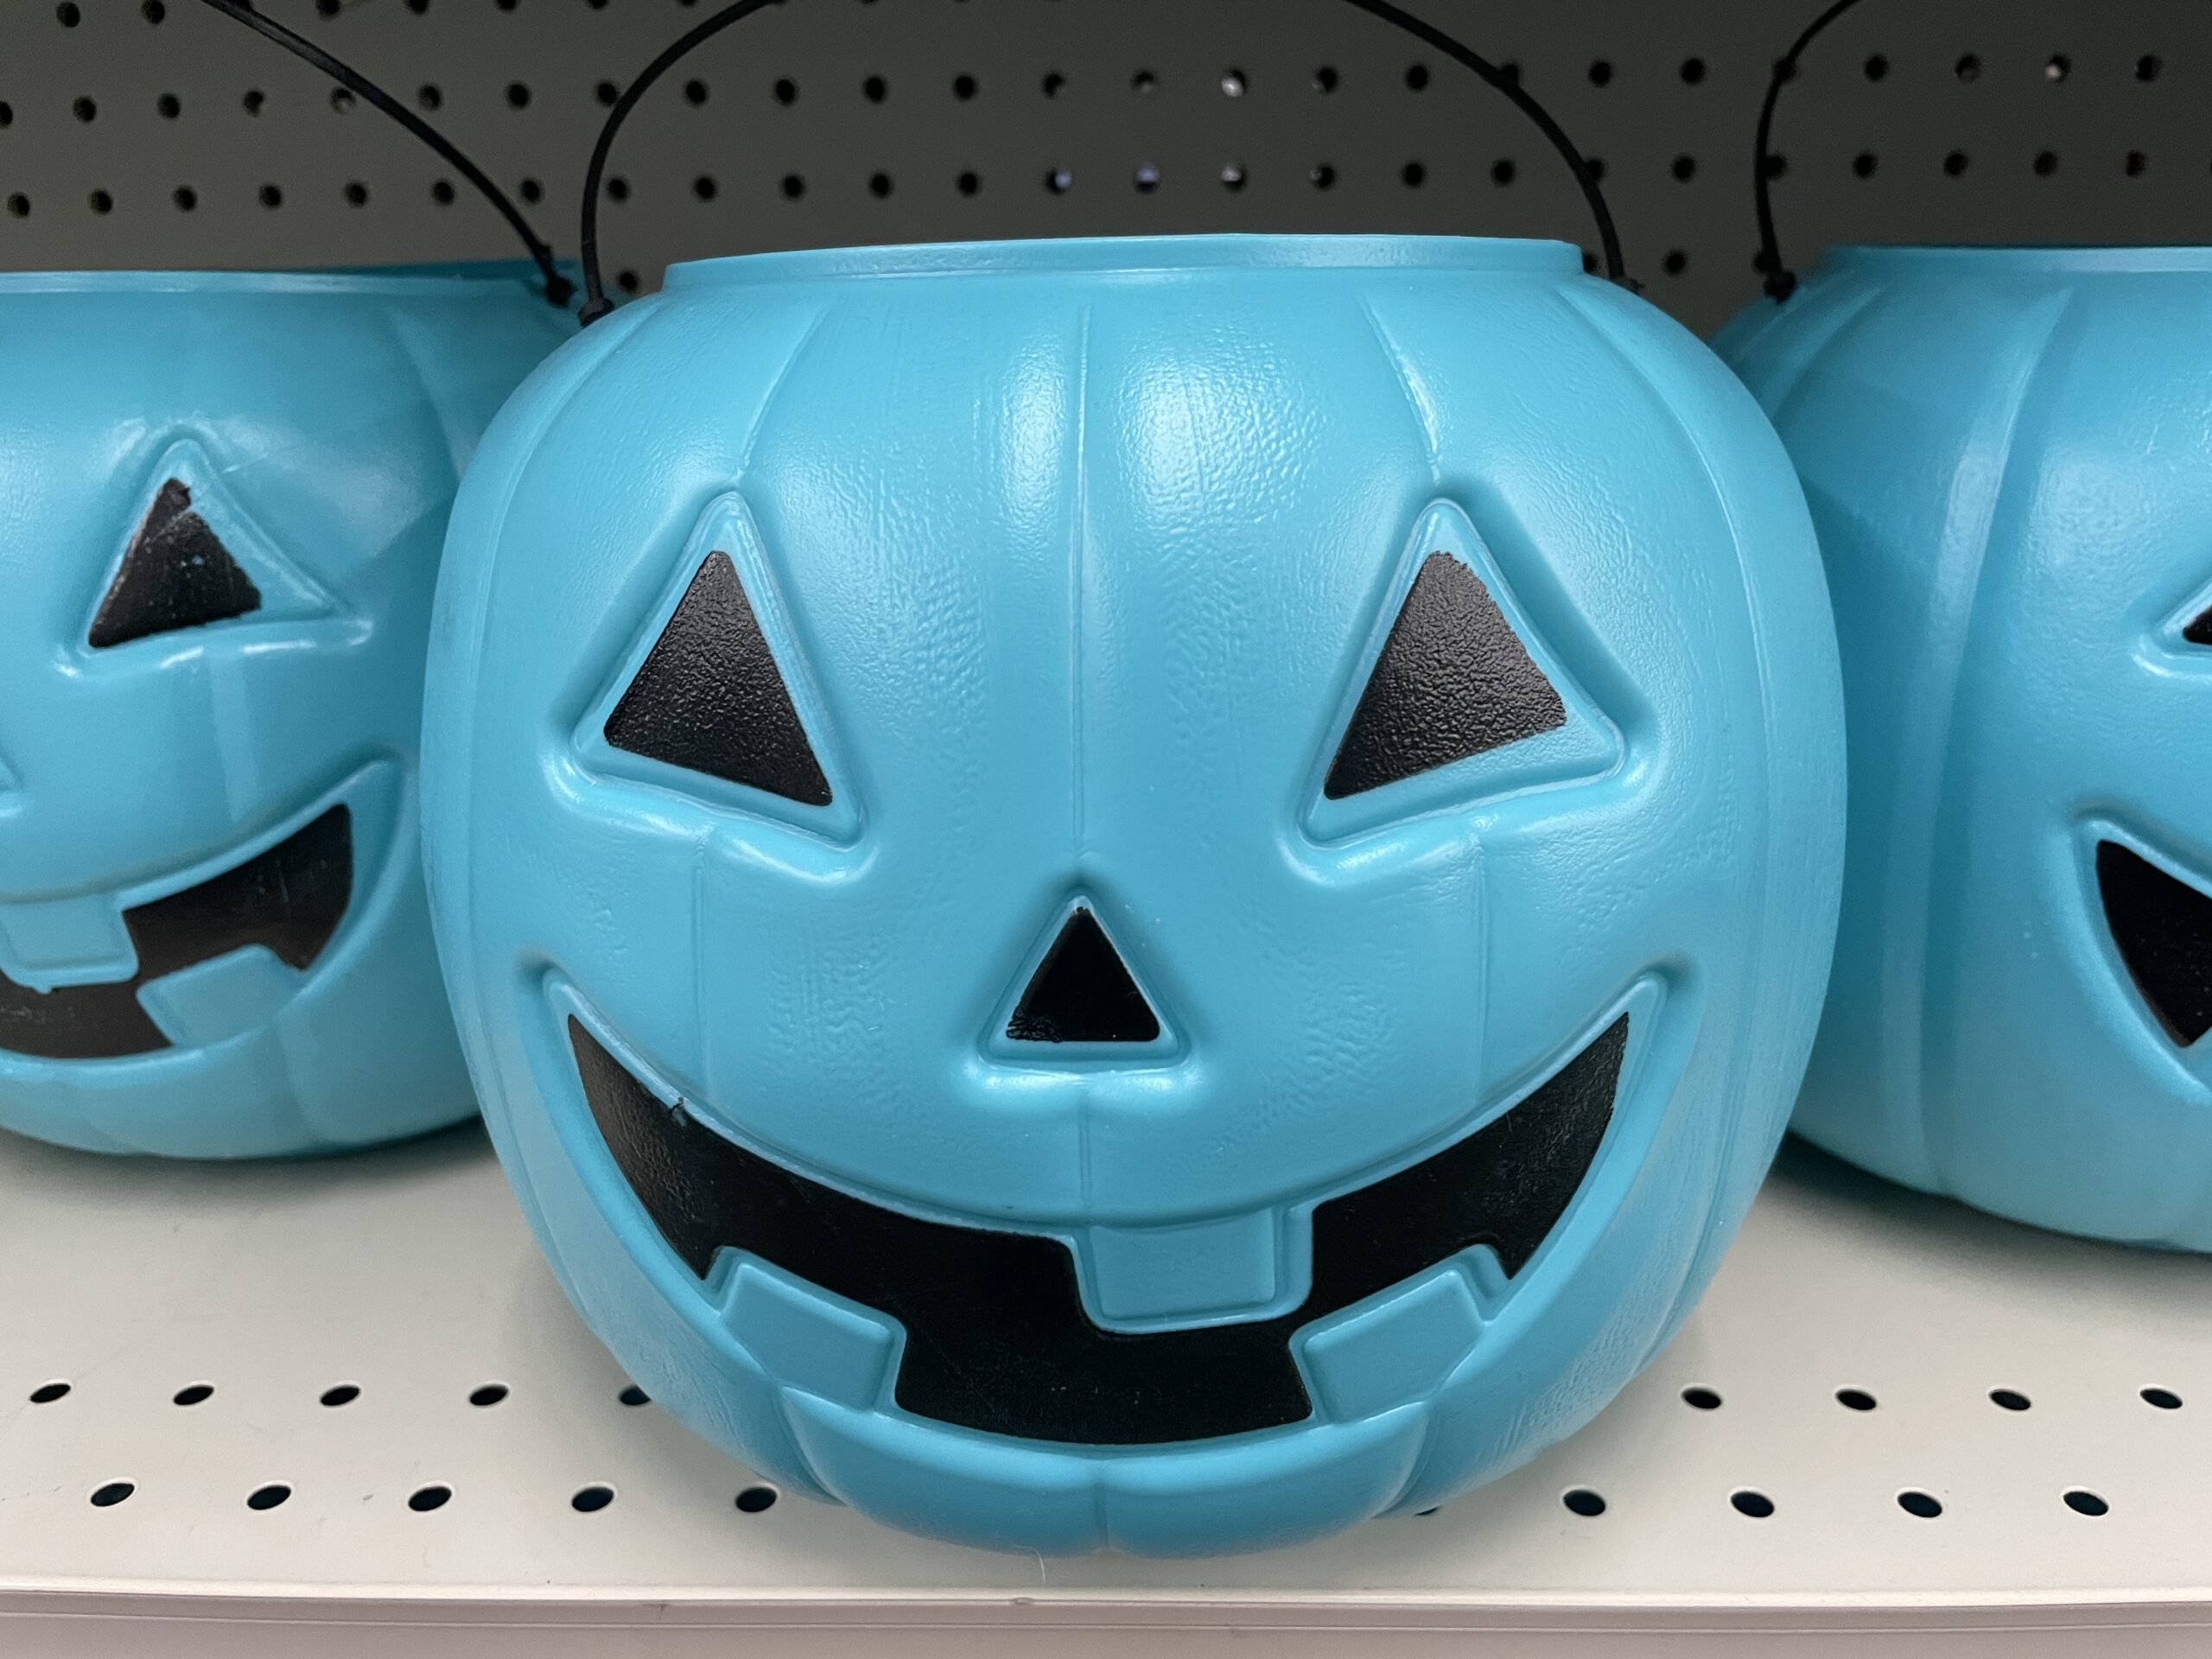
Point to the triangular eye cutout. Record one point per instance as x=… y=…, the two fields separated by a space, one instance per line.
x=2199 y=633
x=1453 y=681
x=2163 y=929
x=1082 y=992
x=709 y=697
x=175 y=574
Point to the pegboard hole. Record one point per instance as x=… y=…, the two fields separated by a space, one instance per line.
x=68 y=15
x=487 y=1394
x=357 y=194
x=186 y=198
x=2149 y=66
x=617 y=188
x=1146 y=179
x=787 y=92
x=1232 y=83
x=1693 y=71
x=423 y=1499
x=2138 y=163
x=100 y=202
x=879 y=185
x=1866 y=163
x=1877 y=68
x=1417 y=77
x=2083 y=1501
x=1054 y=84
x=1596 y=166
x=1324 y=176
x=1675 y=263
x=964 y=87
x=590 y=1500
x=608 y=93
x=1701 y=1399
x=46 y=1392
x=875 y=89
x=1232 y=177
x=517 y=95
x=753 y=1499
x=628 y=280
x=193 y=1394
x=531 y=191
x=695 y=92
x=1855 y=1399
x=1923 y=1504
x=793 y=186
x=84 y=109
x=343 y=1394
x=7 y=114
x=1413 y=175
x=268 y=1497
x=1777 y=167
x=2058 y=68
x=704 y=187
x=1954 y=164
x=1684 y=167
x=1752 y=1501
x=1967 y=68
x=1502 y=171
x=1325 y=80
x=633 y=1396
x=153 y=10
x=428 y=96
x=1581 y=1501
x=19 y=206
x=253 y=100
x=1144 y=82
x=2010 y=1399
x=968 y=184
x=341 y=100
x=168 y=106
x=1601 y=73
x=442 y=192
x=2046 y=164
x=107 y=1497
x=2164 y=1399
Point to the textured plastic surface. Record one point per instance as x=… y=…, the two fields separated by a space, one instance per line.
x=2008 y=456
x=222 y=500
x=1075 y=559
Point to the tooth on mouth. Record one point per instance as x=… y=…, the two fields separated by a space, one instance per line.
x=996 y=1335
x=288 y=898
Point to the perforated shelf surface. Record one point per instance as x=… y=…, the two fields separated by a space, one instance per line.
x=321 y=1334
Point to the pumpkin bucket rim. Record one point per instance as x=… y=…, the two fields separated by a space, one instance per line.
x=443 y=276
x=2113 y=258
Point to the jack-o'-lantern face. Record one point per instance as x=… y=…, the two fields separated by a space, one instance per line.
x=1078 y=932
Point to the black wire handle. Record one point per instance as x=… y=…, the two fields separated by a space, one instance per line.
x=597 y=305
x=558 y=288
x=1781 y=281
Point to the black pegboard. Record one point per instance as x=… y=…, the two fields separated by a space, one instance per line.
x=154 y=132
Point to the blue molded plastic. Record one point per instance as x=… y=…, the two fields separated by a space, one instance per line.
x=321 y=421
x=2008 y=452
x=1074 y=558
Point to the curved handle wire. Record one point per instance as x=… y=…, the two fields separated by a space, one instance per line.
x=596 y=304
x=558 y=288
x=1781 y=281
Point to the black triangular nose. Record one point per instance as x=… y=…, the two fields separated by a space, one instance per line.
x=1081 y=993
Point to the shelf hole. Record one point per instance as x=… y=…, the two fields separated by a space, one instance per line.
x=84 y=109
x=793 y=186
x=964 y=87
x=1685 y=168
x=590 y=1500
x=193 y=1392
x=1967 y=68
x=1601 y=73
x=357 y=194
x=423 y=1499
x=46 y=1392
x=2149 y=66
x=1414 y=175
x=517 y=95
x=634 y=1395
x=1324 y=176
x=1417 y=77
x=1232 y=177
x=1144 y=81
x=1955 y=162
x=695 y=92
x=107 y=1497
x=2010 y=1399
x=1855 y=1399
x=1923 y=1505
x=442 y=192
x=344 y=1394
x=787 y=92
x=879 y=185
x=875 y=89
x=967 y=184
x=1877 y=67
x=1054 y=84
x=2046 y=164
x=1675 y=263
x=1325 y=80
x=489 y=1394
x=753 y=1499
x=1148 y=178
x=1864 y=164
x=1757 y=1504
x=1502 y=171
x=1693 y=72
x=430 y=98
x=2164 y=1399
x=2138 y=163
x=1580 y=1500
x=1232 y=83
x=1701 y=1399
x=100 y=202
x=2083 y=1501
x=168 y=106
x=1059 y=180
x=269 y=1497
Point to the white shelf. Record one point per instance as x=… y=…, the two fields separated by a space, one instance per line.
x=408 y=1274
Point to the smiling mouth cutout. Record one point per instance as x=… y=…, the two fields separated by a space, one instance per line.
x=997 y=1339
x=289 y=900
